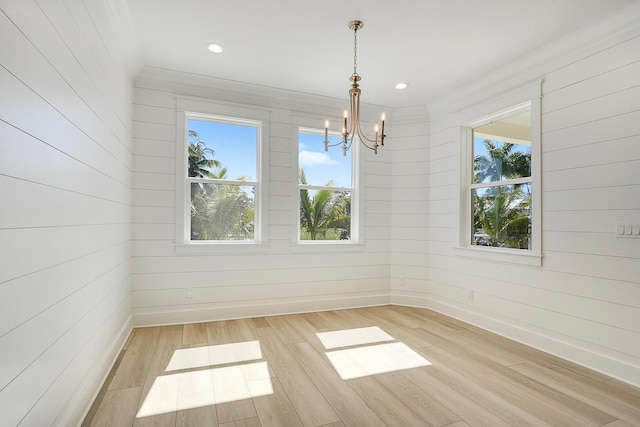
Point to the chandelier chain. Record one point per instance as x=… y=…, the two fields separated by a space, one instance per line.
x=355 y=52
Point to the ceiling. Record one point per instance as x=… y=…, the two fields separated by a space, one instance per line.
x=306 y=46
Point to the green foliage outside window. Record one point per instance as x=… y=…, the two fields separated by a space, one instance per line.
x=502 y=213
x=219 y=211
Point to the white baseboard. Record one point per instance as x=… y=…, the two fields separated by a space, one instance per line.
x=590 y=359
x=179 y=314
x=80 y=402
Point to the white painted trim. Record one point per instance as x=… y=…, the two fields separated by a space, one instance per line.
x=187 y=107
x=79 y=405
x=216 y=312
x=584 y=357
x=529 y=99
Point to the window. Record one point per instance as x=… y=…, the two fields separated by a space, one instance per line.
x=221 y=160
x=502 y=180
x=501 y=183
x=326 y=189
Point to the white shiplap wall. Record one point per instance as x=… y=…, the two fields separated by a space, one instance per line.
x=65 y=228
x=279 y=276
x=583 y=304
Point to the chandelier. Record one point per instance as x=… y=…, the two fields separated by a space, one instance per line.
x=353 y=130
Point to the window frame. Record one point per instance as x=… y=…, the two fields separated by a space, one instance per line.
x=189 y=109
x=532 y=257
x=356 y=220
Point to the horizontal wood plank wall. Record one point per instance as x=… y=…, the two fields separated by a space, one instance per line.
x=65 y=230
x=583 y=304
x=281 y=279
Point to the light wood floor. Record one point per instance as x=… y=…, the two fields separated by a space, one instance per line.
x=476 y=378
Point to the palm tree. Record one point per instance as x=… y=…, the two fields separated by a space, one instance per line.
x=200 y=164
x=501 y=163
x=502 y=211
x=326 y=212
x=504 y=217
x=219 y=211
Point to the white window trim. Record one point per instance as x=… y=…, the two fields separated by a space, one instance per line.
x=356 y=243
x=464 y=248
x=198 y=109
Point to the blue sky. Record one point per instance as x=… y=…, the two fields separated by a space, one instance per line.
x=235 y=148
x=319 y=166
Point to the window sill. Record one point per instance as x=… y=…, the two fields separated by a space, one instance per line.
x=221 y=248
x=325 y=246
x=506 y=256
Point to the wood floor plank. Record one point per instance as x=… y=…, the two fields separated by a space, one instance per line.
x=306 y=330
x=528 y=399
x=472 y=340
x=622 y=391
x=345 y=319
x=619 y=423
x=319 y=322
x=133 y=369
x=258 y=322
x=284 y=327
x=571 y=404
x=345 y=401
x=531 y=354
x=202 y=416
x=195 y=334
x=432 y=412
x=169 y=340
x=447 y=394
x=275 y=410
x=398 y=332
x=390 y=408
x=218 y=333
x=249 y=422
x=421 y=316
x=593 y=394
x=482 y=361
x=476 y=378
x=478 y=393
x=235 y=411
x=311 y=406
x=240 y=330
x=103 y=390
x=118 y=408
x=161 y=420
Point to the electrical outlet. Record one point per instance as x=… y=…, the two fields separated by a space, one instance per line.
x=471 y=295
x=402 y=281
x=190 y=293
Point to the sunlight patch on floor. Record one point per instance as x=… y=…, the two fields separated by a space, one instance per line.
x=349 y=337
x=189 y=358
x=368 y=360
x=375 y=359
x=189 y=390
x=204 y=387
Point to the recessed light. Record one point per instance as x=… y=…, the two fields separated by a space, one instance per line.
x=402 y=85
x=215 y=48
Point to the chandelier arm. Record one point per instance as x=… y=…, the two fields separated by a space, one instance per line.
x=361 y=134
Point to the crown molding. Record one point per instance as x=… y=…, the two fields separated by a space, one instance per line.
x=617 y=28
x=200 y=86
